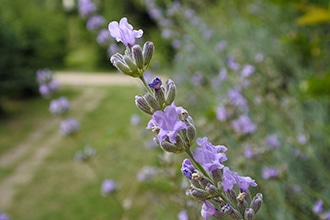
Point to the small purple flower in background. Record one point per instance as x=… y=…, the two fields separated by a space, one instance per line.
x=209 y=156
x=232 y=64
x=146 y=173
x=95 y=22
x=4 y=216
x=272 y=141
x=248 y=152
x=47 y=89
x=236 y=98
x=69 y=126
x=103 y=37
x=208 y=210
x=221 y=46
x=168 y=122
x=269 y=173
x=108 y=186
x=124 y=32
x=86 y=8
x=135 y=119
x=59 y=106
x=243 y=125
x=44 y=76
x=187 y=168
x=183 y=215
x=247 y=70
x=221 y=113
x=302 y=139
x=318 y=206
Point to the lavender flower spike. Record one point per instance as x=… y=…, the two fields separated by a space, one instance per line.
x=124 y=32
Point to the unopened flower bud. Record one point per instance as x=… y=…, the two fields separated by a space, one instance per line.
x=212 y=190
x=142 y=104
x=190 y=132
x=249 y=214
x=217 y=176
x=130 y=63
x=170 y=92
x=256 y=202
x=138 y=56
x=155 y=139
x=171 y=148
x=120 y=65
x=152 y=101
x=231 y=195
x=242 y=204
x=199 y=194
x=148 y=51
x=233 y=213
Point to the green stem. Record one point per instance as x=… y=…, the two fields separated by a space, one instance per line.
x=145 y=84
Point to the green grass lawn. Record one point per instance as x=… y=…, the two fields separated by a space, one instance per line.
x=63 y=188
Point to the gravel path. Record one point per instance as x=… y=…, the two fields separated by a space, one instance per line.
x=26 y=157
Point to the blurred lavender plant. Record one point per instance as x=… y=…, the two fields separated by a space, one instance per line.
x=223 y=192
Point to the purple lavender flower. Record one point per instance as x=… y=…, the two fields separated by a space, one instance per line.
x=236 y=98
x=272 y=141
x=108 y=186
x=59 y=106
x=44 y=76
x=318 y=206
x=269 y=172
x=232 y=64
x=155 y=83
x=69 y=126
x=208 y=155
x=47 y=89
x=124 y=32
x=168 y=122
x=86 y=8
x=229 y=178
x=95 y=22
x=103 y=37
x=243 y=125
x=4 y=216
x=248 y=152
x=208 y=210
x=221 y=113
x=247 y=70
x=302 y=139
x=183 y=215
x=187 y=168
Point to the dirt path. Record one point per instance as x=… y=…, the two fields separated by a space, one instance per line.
x=25 y=158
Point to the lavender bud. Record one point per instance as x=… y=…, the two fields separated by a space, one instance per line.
x=249 y=214
x=217 y=176
x=231 y=195
x=190 y=132
x=160 y=96
x=233 y=213
x=134 y=70
x=138 y=56
x=142 y=104
x=242 y=204
x=199 y=194
x=171 y=148
x=256 y=202
x=170 y=92
x=148 y=51
x=212 y=190
x=152 y=101
x=120 y=65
